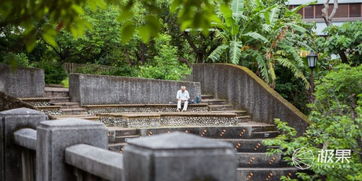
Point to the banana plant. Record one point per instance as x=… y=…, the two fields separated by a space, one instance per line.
x=262 y=34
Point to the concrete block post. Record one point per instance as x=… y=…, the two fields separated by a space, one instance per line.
x=55 y=136
x=10 y=153
x=179 y=157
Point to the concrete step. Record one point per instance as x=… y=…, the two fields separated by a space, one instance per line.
x=54 y=85
x=37 y=101
x=118 y=131
x=220 y=107
x=214 y=101
x=245 y=118
x=116 y=147
x=120 y=139
x=242 y=131
x=238 y=112
x=74 y=111
x=50 y=110
x=87 y=117
x=267 y=173
x=56 y=92
x=265 y=134
x=56 y=89
x=207 y=96
x=168 y=119
x=117 y=108
x=260 y=159
x=48 y=107
x=67 y=104
x=59 y=99
x=247 y=145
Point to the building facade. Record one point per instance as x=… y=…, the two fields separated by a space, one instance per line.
x=348 y=10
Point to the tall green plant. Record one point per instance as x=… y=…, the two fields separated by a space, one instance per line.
x=346 y=38
x=261 y=33
x=165 y=64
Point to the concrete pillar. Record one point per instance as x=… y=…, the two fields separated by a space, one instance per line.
x=179 y=157
x=54 y=136
x=10 y=153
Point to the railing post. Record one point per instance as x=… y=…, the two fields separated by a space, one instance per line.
x=10 y=153
x=179 y=157
x=28 y=163
x=54 y=136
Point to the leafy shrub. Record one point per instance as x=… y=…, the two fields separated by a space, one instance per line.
x=15 y=60
x=165 y=65
x=54 y=72
x=336 y=124
x=346 y=38
x=65 y=82
x=118 y=70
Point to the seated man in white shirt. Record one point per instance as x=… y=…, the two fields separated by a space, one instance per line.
x=183 y=96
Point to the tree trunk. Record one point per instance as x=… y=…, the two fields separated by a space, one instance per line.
x=328 y=20
x=343 y=57
x=142 y=53
x=199 y=53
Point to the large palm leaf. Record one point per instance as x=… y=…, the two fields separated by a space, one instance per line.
x=237 y=7
x=294 y=69
x=235 y=51
x=217 y=53
x=256 y=36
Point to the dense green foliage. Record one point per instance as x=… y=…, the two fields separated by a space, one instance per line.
x=346 y=38
x=274 y=41
x=101 y=45
x=336 y=124
x=292 y=89
x=165 y=64
x=46 y=18
x=53 y=70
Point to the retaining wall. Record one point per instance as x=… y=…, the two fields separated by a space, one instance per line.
x=245 y=90
x=101 y=89
x=22 y=82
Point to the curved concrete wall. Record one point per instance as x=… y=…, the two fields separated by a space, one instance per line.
x=22 y=82
x=241 y=87
x=102 y=89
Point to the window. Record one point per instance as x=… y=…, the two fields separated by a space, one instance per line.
x=318 y=11
x=342 y=11
x=309 y=12
x=331 y=6
x=355 y=10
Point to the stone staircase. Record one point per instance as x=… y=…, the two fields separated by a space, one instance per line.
x=246 y=136
x=56 y=102
x=213 y=118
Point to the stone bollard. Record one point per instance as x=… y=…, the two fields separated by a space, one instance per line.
x=54 y=136
x=10 y=153
x=179 y=157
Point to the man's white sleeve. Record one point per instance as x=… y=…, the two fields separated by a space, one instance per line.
x=178 y=95
x=188 y=95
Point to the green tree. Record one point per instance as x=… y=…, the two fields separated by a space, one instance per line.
x=165 y=64
x=346 y=38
